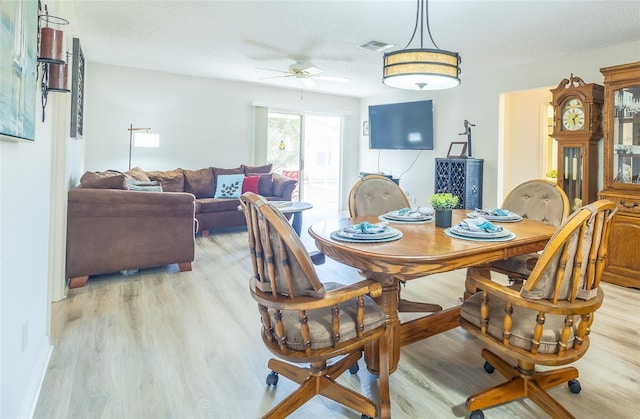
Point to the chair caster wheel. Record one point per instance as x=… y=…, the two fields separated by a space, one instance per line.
x=354 y=368
x=490 y=369
x=574 y=386
x=477 y=414
x=272 y=378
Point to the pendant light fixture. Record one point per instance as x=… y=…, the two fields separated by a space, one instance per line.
x=421 y=68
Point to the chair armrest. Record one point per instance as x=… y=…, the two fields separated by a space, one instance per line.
x=547 y=306
x=333 y=297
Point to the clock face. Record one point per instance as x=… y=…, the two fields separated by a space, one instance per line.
x=573 y=117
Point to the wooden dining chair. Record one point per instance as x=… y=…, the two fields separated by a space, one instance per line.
x=548 y=321
x=539 y=200
x=306 y=321
x=377 y=195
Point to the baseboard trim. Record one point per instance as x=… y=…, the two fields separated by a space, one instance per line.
x=32 y=393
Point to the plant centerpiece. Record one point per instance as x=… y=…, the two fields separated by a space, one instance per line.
x=443 y=203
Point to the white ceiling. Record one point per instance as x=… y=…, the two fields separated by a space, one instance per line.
x=233 y=39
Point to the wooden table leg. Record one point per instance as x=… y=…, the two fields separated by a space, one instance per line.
x=475 y=271
x=388 y=301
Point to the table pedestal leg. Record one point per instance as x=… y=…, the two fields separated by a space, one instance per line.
x=475 y=271
x=388 y=301
x=296 y=222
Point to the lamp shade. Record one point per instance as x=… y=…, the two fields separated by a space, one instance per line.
x=146 y=139
x=421 y=69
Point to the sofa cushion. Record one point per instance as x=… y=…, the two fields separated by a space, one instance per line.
x=250 y=184
x=229 y=186
x=137 y=174
x=265 y=168
x=103 y=180
x=199 y=182
x=171 y=180
x=265 y=184
x=217 y=171
x=216 y=204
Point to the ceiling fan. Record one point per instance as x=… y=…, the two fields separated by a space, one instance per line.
x=304 y=71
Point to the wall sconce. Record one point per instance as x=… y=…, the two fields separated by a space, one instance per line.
x=51 y=55
x=141 y=139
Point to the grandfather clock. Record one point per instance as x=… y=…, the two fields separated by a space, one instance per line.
x=577 y=126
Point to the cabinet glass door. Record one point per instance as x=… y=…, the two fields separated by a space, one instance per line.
x=626 y=135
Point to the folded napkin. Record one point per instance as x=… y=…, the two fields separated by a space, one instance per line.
x=415 y=212
x=478 y=225
x=494 y=212
x=367 y=228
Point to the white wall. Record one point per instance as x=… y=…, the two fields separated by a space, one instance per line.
x=34 y=177
x=201 y=122
x=478 y=100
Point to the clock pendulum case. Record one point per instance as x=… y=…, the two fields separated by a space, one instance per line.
x=577 y=127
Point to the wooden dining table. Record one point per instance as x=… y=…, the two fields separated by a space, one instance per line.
x=423 y=250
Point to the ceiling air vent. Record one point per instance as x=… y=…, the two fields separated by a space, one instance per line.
x=376 y=46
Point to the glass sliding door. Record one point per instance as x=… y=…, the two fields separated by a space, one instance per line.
x=306 y=147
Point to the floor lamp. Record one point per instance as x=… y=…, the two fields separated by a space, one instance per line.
x=141 y=139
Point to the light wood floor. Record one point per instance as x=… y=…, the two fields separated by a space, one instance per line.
x=187 y=345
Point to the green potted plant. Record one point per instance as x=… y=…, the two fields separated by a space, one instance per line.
x=443 y=203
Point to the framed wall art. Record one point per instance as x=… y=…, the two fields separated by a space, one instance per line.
x=18 y=69
x=77 y=91
x=457 y=149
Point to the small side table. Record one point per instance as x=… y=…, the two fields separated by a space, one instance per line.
x=295 y=208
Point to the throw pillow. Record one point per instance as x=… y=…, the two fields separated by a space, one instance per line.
x=266 y=168
x=229 y=186
x=265 y=185
x=171 y=180
x=250 y=184
x=139 y=185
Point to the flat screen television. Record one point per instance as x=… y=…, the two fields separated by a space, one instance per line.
x=401 y=126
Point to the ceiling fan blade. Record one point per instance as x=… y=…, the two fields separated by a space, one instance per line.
x=271 y=69
x=333 y=78
x=278 y=77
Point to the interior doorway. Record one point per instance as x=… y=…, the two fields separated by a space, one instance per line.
x=307 y=148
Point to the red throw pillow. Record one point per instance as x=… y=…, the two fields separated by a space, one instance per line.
x=250 y=184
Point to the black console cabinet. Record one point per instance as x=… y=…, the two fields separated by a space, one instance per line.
x=461 y=177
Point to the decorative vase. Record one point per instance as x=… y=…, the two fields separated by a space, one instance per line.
x=443 y=218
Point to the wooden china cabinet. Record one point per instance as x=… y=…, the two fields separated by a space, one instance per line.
x=622 y=171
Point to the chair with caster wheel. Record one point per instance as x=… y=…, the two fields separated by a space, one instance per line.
x=307 y=322
x=548 y=321
x=377 y=195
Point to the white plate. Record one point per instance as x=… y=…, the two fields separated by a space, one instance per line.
x=394 y=215
x=450 y=233
x=479 y=234
x=511 y=218
x=336 y=236
x=407 y=221
x=387 y=233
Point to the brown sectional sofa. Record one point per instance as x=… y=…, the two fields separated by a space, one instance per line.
x=122 y=221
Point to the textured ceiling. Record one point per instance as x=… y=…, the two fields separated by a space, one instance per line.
x=236 y=40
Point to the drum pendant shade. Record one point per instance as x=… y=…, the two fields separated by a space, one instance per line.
x=51 y=46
